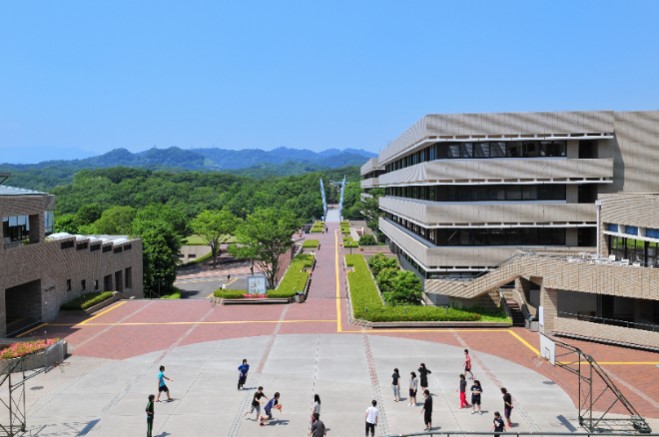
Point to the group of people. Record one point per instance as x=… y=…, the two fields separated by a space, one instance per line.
x=318 y=428
x=415 y=382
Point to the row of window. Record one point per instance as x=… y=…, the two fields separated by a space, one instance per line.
x=95 y=246
x=461 y=193
x=16 y=228
x=482 y=150
x=488 y=236
x=645 y=253
x=122 y=279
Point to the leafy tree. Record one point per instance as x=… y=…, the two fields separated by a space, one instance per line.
x=88 y=214
x=386 y=279
x=265 y=236
x=379 y=262
x=406 y=289
x=367 y=240
x=215 y=228
x=66 y=223
x=167 y=213
x=161 y=245
x=371 y=209
x=117 y=220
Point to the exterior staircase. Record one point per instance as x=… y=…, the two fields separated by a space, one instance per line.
x=515 y=312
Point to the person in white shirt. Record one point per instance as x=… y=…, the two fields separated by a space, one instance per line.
x=371 y=418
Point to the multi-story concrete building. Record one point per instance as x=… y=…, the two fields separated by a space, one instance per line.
x=40 y=270
x=464 y=194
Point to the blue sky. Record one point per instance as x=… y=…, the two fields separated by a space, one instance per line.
x=79 y=78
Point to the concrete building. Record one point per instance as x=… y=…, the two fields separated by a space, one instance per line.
x=40 y=270
x=516 y=195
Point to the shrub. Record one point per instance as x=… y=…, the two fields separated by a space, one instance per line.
x=406 y=288
x=16 y=350
x=310 y=244
x=173 y=295
x=87 y=300
x=230 y=294
x=385 y=279
x=367 y=240
x=295 y=278
x=348 y=243
x=367 y=305
x=380 y=261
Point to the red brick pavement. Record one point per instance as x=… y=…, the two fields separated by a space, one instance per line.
x=132 y=328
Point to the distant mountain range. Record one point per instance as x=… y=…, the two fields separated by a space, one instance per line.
x=249 y=162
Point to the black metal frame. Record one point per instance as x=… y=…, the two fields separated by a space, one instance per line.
x=14 y=398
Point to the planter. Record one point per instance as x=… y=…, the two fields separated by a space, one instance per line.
x=107 y=302
x=46 y=358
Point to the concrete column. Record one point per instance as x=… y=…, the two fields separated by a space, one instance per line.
x=573 y=149
x=549 y=302
x=572 y=194
x=571 y=237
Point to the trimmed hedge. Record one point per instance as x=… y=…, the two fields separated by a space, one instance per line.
x=318 y=227
x=348 y=242
x=367 y=304
x=230 y=294
x=345 y=227
x=87 y=300
x=367 y=240
x=294 y=281
x=310 y=244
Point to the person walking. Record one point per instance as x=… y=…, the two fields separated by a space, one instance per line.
x=414 y=383
x=315 y=411
x=371 y=418
x=162 y=386
x=476 y=392
x=272 y=403
x=256 y=403
x=427 y=410
x=149 y=416
x=242 y=374
x=317 y=427
x=497 y=424
x=395 y=385
x=463 y=392
x=507 y=406
x=423 y=376
x=467 y=365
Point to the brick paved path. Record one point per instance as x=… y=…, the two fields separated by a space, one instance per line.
x=132 y=329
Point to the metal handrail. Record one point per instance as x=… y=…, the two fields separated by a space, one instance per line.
x=607 y=321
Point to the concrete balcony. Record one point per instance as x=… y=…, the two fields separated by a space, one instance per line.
x=460 y=258
x=503 y=170
x=431 y=214
x=370 y=183
x=370 y=166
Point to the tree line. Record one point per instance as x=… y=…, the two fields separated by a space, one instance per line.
x=163 y=207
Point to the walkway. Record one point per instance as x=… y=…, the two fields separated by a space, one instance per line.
x=298 y=349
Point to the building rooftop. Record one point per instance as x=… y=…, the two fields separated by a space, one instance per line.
x=6 y=190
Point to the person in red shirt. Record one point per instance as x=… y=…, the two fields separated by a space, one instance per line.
x=468 y=365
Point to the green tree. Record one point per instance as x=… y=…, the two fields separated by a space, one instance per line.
x=117 y=220
x=266 y=235
x=88 y=214
x=215 y=228
x=161 y=245
x=66 y=223
x=406 y=289
x=386 y=279
x=167 y=213
x=379 y=262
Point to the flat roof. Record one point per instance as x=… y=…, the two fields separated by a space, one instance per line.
x=6 y=190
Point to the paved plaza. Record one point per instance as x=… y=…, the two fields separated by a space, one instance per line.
x=299 y=350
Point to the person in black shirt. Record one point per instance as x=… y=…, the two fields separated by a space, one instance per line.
x=497 y=424
x=256 y=402
x=149 y=416
x=507 y=406
x=427 y=410
x=395 y=384
x=476 y=391
x=423 y=376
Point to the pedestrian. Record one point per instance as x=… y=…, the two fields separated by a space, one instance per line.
x=242 y=374
x=497 y=424
x=414 y=383
x=228 y=278
x=463 y=390
x=371 y=418
x=272 y=403
x=162 y=386
x=476 y=391
x=423 y=376
x=317 y=427
x=467 y=365
x=256 y=403
x=149 y=416
x=507 y=406
x=395 y=384
x=427 y=410
x=315 y=411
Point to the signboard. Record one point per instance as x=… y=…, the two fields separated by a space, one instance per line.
x=256 y=284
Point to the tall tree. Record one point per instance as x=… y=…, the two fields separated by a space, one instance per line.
x=266 y=235
x=215 y=228
x=160 y=255
x=117 y=220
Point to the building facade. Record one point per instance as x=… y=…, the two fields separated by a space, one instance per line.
x=463 y=192
x=41 y=270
